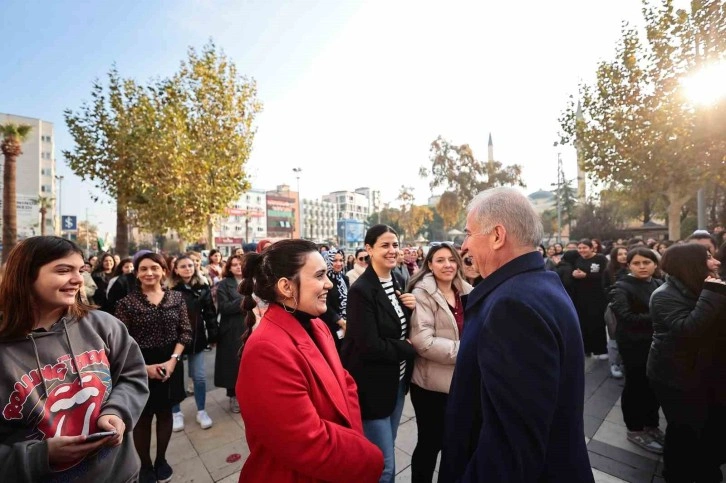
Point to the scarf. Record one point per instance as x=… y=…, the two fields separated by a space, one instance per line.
x=338 y=283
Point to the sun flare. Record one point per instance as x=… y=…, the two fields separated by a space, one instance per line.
x=706 y=86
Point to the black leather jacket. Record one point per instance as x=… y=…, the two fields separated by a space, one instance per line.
x=686 y=334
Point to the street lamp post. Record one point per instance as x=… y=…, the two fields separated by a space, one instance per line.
x=297 y=172
x=60 y=202
x=705 y=88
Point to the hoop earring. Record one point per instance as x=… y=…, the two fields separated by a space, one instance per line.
x=294 y=308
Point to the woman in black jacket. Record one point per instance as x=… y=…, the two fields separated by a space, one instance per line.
x=630 y=298
x=376 y=349
x=589 y=298
x=686 y=363
x=203 y=318
x=231 y=328
x=335 y=316
x=102 y=275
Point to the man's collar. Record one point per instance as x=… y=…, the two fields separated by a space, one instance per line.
x=524 y=263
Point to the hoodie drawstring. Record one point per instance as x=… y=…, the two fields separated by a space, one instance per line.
x=37 y=361
x=73 y=353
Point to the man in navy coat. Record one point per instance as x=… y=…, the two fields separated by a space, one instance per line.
x=515 y=406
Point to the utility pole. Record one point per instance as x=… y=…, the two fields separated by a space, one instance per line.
x=297 y=172
x=560 y=181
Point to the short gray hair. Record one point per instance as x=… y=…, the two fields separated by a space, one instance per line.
x=511 y=209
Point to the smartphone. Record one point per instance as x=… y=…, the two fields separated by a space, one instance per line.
x=161 y=371
x=97 y=436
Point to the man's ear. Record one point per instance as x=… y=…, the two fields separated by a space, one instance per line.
x=500 y=237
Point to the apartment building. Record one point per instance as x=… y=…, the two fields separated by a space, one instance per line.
x=35 y=176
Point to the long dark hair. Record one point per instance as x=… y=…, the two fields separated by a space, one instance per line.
x=375 y=232
x=687 y=263
x=17 y=317
x=99 y=263
x=613 y=265
x=261 y=272
x=119 y=269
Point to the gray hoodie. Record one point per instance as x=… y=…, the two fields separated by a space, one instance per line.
x=58 y=383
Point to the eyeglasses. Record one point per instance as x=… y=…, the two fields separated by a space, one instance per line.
x=364 y=259
x=468 y=261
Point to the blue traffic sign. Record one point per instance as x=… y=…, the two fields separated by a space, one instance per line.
x=69 y=223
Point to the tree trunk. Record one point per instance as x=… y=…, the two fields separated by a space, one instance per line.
x=42 y=221
x=122 y=229
x=675 y=204
x=210 y=234
x=646 y=211
x=10 y=214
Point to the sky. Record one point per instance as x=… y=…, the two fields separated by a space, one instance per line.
x=353 y=92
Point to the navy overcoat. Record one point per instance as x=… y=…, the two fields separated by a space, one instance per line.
x=515 y=407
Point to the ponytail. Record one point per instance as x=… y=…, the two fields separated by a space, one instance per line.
x=246 y=288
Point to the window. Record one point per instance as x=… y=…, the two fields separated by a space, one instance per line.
x=46 y=188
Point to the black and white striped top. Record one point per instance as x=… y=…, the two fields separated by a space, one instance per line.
x=391 y=294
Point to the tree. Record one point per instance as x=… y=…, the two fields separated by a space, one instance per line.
x=635 y=128
x=13 y=136
x=456 y=169
x=87 y=236
x=207 y=110
x=111 y=134
x=449 y=209
x=414 y=220
x=44 y=203
x=387 y=216
x=596 y=221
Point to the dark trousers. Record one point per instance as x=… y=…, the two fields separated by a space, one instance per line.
x=639 y=402
x=694 y=446
x=430 y=407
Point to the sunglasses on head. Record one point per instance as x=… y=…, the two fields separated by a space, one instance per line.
x=440 y=244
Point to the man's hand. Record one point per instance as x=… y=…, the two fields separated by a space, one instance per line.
x=111 y=422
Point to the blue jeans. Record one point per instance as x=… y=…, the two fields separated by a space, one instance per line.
x=198 y=374
x=382 y=432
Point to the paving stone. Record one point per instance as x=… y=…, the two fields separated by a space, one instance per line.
x=191 y=470
x=180 y=449
x=601 y=477
x=216 y=460
x=223 y=432
x=614 y=435
x=403 y=460
x=233 y=478
x=624 y=456
x=592 y=424
x=619 y=470
x=616 y=416
x=407 y=436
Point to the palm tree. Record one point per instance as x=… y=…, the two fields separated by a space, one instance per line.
x=45 y=203
x=13 y=136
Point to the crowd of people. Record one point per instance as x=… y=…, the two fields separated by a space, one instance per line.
x=317 y=350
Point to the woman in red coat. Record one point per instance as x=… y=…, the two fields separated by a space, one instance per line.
x=300 y=407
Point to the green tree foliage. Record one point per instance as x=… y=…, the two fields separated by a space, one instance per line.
x=13 y=136
x=111 y=133
x=172 y=152
x=456 y=169
x=636 y=128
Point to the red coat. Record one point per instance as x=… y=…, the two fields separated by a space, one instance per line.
x=300 y=408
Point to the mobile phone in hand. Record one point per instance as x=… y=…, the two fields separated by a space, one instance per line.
x=161 y=370
x=97 y=436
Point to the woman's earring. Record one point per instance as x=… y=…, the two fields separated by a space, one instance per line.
x=284 y=306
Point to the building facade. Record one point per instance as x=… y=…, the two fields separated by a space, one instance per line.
x=245 y=220
x=282 y=213
x=349 y=205
x=35 y=177
x=318 y=220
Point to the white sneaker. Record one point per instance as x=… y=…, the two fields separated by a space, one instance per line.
x=616 y=371
x=178 y=424
x=204 y=420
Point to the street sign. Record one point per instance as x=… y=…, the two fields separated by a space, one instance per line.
x=69 y=223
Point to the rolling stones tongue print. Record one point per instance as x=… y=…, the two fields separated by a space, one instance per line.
x=74 y=401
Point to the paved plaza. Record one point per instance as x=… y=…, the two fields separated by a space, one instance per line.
x=203 y=456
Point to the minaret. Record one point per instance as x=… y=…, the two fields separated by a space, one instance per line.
x=491 y=149
x=581 y=188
